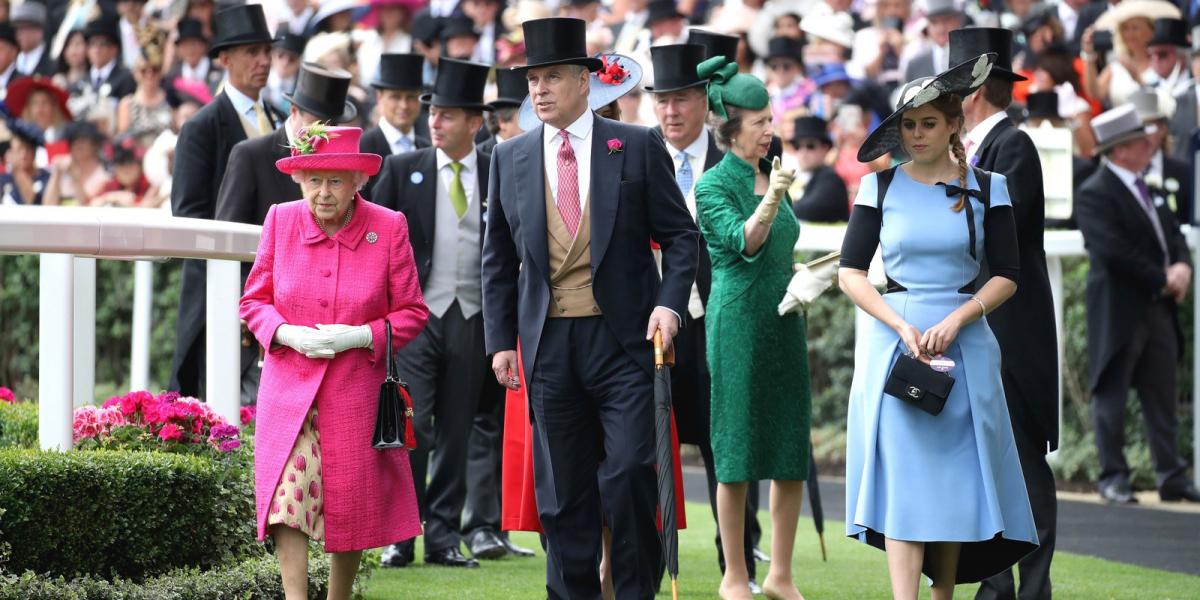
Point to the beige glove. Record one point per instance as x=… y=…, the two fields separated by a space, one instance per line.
x=778 y=183
x=811 y=279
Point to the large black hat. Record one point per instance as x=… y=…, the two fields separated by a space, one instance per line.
x=784 y=47
x=512 y=89
x=811 y=128
x=675 y=67
x=658 y=10
x=425 y=27
x=557 y=41
x=970 y=42
x=459 y=84
x=190 y=29
x=8 y=34
x=715 y=44
x=290 y=42
x=1042 y=105
x=106 y=25
x=400 y=72
x=239 y=26
x=1170 y=31
x=961 y=80
x=458 y=26
x=322 y=92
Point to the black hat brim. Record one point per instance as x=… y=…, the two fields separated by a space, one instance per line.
x=380 y=84
x=348 y=113
x=436 y=100
x=662 y=90
x=1007 y=75
x=591 y=64
x=500 y=103
x=959 y=79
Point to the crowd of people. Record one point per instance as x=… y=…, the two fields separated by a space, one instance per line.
x=520 y=194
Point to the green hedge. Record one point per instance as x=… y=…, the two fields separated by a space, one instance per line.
x=128 y=514
x=19 y=425
x=256 y=578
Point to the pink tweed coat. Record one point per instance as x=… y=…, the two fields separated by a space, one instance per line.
x=365 y=274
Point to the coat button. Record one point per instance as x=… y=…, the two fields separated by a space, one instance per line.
x=324 y=303
x=562 y=310
x=329 y=244
x=325 y=273
x=595 y=310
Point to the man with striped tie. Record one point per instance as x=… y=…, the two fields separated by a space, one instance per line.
x=242 y=47
x=568 y=270
x=401 y=127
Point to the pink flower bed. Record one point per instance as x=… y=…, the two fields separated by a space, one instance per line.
x=166 y=421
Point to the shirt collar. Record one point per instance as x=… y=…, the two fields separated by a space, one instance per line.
x=242 y=103
x=104 y=71
x=34 y=56
x=468 y=161
x=581 y=128
x=391 y=133
x=1128 y=177
x=981 y=131
x=697 y=149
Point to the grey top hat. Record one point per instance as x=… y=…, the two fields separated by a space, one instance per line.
x=28 y=13
x=937 y=8
x=1118 y=125
x=1145 y=102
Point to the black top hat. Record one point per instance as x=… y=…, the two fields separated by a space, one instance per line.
x=239 y=26
x=715 y=44
x=971 y=42
x=675 y=67
x=1172 y=32
x=400 y=72
x=1042 y=105
x=8 y=34
x=811 y=128
x=784 y=47
x=658 y=10
x=322 y=92
x=83 y=130
x=512 y=88
x=425 y=27
x=190 y=29
x=458 y=26
x=289 y=42
x=106 y=25
x=557 y=41
x=459 y=84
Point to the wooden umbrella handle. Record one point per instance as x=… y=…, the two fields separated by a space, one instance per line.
x=661 y=357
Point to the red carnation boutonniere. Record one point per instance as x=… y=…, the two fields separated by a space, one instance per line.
x=615 y=146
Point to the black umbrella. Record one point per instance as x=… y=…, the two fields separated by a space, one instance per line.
x=814 y=498
x=666 y=460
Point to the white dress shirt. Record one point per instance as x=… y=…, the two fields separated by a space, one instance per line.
x=393 y=134
x=102 y=73
x=1069 y=18
x=244 y=105
x=581 y=142
x=696 y=153
x=977 y=134
x=198 y=72
x=28 y=61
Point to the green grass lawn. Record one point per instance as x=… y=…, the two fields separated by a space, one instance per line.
x=854 y=570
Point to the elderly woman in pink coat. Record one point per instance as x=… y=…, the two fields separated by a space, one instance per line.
x=331 y=269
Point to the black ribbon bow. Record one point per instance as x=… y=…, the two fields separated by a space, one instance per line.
x=954 y=190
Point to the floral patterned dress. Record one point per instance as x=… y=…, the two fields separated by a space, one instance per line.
x=297 y=502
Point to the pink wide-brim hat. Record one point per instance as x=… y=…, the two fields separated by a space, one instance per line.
x=339 y=153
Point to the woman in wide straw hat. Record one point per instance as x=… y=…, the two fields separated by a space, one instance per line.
x=331 y=269
x=1132 y=26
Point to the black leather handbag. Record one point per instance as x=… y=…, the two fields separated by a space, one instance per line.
x=393 y=415
x=918 y=384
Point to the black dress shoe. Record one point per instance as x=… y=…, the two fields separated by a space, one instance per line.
x=397 y=555
x=513 y=549
x=485 y=544
x=1185 y=494
x=451 y=557
x=1117 y=493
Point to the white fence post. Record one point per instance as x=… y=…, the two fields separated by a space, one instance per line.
x=56 y=373
x=143 y=305
x=223 y=364
x=85 y=331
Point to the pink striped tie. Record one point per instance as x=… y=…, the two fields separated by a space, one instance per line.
x=568 y=185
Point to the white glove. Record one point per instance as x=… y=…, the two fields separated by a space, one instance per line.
x=810 y=280
x=779 y=182
x=306 y=340
x=348 y=337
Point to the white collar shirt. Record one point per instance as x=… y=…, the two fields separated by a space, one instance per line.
x=697 y=151
x=102 y=74
x=1069 y=18
x=198 y=72
x=393 y=136
x=980 y=132
x=243 y=104
x=468 y=174
x=8 y=75
x=27 y=62
x=580 y=134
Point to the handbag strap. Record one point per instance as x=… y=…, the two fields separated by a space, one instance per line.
x=392 y=371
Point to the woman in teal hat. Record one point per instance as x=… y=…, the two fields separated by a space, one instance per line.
x=759 y=360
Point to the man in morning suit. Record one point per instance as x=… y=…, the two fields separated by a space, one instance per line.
x=568 y=270
x=1140 y=272
x=107 y=77
x=681 y=106
x=1024 y=326
x=442 y=191
x=243 y=48
x=29 y=20
x=398 y=91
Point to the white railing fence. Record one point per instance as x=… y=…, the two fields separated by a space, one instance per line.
x=70 y=239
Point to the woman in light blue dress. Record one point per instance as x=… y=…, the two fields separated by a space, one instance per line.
x=943 y=494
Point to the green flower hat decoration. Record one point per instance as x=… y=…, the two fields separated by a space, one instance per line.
x=727 y=86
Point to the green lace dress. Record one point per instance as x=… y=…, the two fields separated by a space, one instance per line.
x=761 y=406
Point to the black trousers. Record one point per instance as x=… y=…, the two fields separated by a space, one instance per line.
x=445 y=368
x=1035 y=566
x=483 y=462
x=586 y=389
x=691 y=388
x=1148 y=364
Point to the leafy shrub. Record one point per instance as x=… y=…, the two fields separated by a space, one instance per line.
x=18 y=425
x=255 y=578
x=128 y=514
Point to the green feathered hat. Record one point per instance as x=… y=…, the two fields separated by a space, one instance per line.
x=727 y=86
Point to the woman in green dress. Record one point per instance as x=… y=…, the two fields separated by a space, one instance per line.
x=758 y=359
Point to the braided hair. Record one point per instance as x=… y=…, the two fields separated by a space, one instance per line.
x=950 y=105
